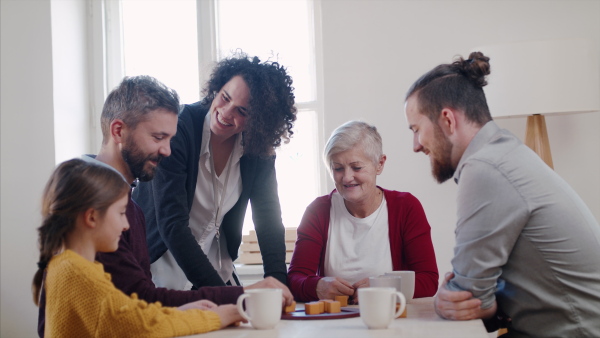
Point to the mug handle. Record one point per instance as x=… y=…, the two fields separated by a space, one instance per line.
x=402 y=304
x=240 y=306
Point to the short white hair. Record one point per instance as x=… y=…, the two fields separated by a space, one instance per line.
x=354 y=134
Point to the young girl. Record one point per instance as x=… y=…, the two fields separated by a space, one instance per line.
x=83 y=213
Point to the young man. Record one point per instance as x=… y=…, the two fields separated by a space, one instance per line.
x=138 y=120
x=527 y=247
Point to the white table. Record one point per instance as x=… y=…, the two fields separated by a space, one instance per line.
x=421 y=321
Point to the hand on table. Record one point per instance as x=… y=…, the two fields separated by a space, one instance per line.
x=459 y=305
x=272 y=283
x=228 y=314
x=200 y=305
x=329 y=287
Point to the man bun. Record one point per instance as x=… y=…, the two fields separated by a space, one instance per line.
x=458 y=85
x=475 y=68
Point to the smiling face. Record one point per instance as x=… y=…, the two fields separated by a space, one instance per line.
x=430 y=139
x=229 y=109
x=355 y=176
x=111 y=224
x=146 y=145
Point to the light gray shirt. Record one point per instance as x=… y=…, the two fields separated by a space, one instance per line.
x=525 y=239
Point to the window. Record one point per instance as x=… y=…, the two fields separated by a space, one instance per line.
x=160 y=39
x=174 y=41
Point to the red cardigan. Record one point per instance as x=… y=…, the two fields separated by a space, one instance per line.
x=410 y=245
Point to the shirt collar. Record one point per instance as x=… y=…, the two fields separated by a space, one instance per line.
x=482 y=137
x=238 y=149
x=92 y=159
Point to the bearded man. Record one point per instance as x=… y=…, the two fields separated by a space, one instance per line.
x=527 y=247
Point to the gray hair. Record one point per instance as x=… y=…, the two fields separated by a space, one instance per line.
x=133 y=99
x=354 y=134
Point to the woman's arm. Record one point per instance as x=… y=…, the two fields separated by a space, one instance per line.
x=302 y=275
x=417 y=248
x=266 y=214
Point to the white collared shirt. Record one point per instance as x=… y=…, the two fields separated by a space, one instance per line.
x=357 y=248
x=166 y=271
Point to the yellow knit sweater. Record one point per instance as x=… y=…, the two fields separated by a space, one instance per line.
x=81 y=301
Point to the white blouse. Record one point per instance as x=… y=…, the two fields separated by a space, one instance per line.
x=165 y=271
x=357 y=247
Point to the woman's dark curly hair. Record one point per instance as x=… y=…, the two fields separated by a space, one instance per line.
x=272 y=113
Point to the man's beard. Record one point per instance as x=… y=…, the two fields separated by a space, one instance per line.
x=441 y=162
x=136 y=161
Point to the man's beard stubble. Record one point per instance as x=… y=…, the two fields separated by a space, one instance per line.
x=136 y=161
x=441 y=162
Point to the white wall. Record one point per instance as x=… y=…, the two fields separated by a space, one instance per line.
x=46 y=109
x=375 y=49
x=71 y=80
x=27 y=154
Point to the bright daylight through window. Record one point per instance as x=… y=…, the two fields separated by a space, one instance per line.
x=169 y=51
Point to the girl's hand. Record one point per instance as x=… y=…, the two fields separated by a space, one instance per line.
x=229 y=315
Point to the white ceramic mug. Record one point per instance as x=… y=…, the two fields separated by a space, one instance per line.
x=378 y=306
x=263 y=307
x=386 y=281
x=408 y=283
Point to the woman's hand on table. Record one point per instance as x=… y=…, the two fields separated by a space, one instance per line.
x=329 y=287
x=272 y=283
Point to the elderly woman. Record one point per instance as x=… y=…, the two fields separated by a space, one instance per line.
x=359 y=230
x=222 y=158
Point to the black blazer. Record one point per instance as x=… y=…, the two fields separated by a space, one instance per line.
x=167 y=201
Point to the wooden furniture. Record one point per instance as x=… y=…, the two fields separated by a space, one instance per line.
x=422 y=321
x=542 y=77
x=250 y=250
x=536 y=138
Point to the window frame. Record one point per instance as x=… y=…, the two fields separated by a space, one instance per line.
x=107 y=62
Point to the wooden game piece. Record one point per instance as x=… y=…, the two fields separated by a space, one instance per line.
x=312 y=308
x=343 y=300
x=290 y=308
x=333 y=307
x=403 y=314
x=321 y=306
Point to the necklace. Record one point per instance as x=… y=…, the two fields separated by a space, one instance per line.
x=219 y=201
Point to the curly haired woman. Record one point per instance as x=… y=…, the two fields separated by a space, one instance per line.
x=222 y=158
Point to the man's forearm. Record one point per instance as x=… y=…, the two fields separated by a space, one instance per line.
x=489 y=312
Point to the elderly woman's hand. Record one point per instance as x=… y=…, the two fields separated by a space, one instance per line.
x=363 y=283
x=329 y=287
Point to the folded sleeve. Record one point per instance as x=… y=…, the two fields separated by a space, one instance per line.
x=491 y=215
